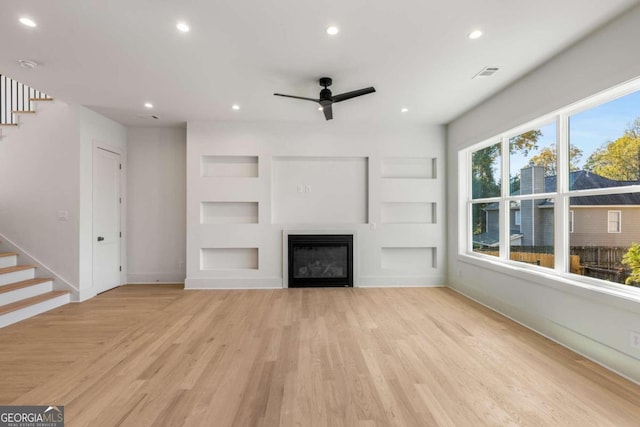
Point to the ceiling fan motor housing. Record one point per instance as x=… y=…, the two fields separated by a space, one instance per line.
x=325 y=97
x=325 y=81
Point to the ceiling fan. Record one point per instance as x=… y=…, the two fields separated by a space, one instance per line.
x=326 y=100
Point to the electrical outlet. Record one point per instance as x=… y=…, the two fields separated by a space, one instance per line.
x=634 y=339
x=180 y=264
x=300 y=189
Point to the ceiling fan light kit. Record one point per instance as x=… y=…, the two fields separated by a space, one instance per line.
x=326 y=99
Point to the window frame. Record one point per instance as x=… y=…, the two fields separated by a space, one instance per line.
x=571 y=224
x=561 y=199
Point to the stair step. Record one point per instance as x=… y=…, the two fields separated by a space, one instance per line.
x=15 y=268
x=5 y=254
x=23 y=112
x=22 y=284
x=8 y=259
x=40 y=99
x=16 y=273
x=9 y=308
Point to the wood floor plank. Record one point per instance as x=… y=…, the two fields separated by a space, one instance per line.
x=159 y=355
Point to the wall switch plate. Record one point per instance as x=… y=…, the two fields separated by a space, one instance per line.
x=307 y=188
x=300 y=189
x=634 y=339
x=63 y=215
x=180 y=264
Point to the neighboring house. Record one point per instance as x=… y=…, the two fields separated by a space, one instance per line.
x=604 y=220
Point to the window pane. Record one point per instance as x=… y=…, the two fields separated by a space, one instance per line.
x=598 y=251
x=485 y=172
x=531 y=241
x=605 y=145
x=532 y=161
x=485 y=227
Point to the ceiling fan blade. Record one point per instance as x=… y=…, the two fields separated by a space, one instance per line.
x=353 y=94
x=297 y=97
x=328 y=112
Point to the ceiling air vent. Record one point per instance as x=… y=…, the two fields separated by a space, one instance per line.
x=148 y=116
x=487 y=72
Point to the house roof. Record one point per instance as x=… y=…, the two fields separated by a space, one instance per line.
x=491 y=239
x=113 y=56
x=585 y=180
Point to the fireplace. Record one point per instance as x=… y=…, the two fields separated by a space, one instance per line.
x=320 y=260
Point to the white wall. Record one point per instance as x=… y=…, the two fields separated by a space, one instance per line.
x=97 y=130
x=39 y=168
x=156 y=211
x=268 y=182
x=593 y=323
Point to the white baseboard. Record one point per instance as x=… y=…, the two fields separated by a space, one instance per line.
x=176 y=277
x=605 y=356
x=234 y=283
x=400 y=282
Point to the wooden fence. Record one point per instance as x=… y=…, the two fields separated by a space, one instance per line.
x=594 y=261
x=541 y=259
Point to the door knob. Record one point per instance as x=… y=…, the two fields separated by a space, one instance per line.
x=100 y=238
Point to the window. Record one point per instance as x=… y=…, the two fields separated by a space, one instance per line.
x=582 y=160
x=613 y=221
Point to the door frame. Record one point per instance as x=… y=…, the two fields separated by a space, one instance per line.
x=100 y=145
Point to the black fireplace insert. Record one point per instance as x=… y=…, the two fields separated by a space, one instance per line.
x=320 y=260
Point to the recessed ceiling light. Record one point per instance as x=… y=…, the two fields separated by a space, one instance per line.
x=183 y=26
x=332 y=30
x=148 y=105
x=27 y=63
x=27 y=21
x=319 y=108
x=476 y=34
x=235 y=107
x=404 y=110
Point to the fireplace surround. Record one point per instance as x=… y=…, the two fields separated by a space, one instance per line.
x=320 y=260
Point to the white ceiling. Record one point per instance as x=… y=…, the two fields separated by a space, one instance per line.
x=114 y=55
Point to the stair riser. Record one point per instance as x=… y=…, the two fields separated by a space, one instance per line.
x=8 y=261
x=23 y=293
x=33 y=310
x=17 y=276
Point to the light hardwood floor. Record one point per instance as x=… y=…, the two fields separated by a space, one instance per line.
x=158 y=355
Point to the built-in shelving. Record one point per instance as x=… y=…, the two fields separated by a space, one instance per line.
x=229 y=213
x=229 y=259
x=230 y=166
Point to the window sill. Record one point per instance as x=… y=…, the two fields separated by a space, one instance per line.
x=593 y=289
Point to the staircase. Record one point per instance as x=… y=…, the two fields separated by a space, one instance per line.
x=22 y=295
x=17 y=99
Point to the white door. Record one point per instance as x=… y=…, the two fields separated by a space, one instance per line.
x=106 y=220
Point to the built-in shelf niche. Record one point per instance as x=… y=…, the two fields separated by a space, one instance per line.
x=229 y=213
x=228 y=259
x=408 y=213
x=409 y=167
x=409 y=260
x=230 y=166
